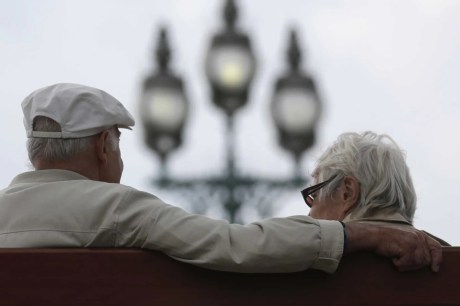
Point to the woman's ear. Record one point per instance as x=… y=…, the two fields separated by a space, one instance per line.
x=350 y=193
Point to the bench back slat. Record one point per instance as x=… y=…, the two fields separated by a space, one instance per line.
x=136 y=277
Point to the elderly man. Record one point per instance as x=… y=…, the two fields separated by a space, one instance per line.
x=364 y=177
x=74 y=199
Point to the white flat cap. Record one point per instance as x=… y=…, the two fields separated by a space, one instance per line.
x=80 y=110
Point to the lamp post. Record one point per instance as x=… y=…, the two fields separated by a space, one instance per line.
x=164 y=106
x=296 y=106
x=230 y=66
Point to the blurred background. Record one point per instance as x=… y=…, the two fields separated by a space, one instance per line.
x=387 y=66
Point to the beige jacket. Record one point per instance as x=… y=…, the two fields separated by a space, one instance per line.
x=58 y=208
x=388 y=219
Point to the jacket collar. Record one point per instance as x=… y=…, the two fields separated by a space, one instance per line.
x=381 y=216
x=44 y=176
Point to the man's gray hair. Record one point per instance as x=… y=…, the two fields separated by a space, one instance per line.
x=380 y=167
x=58 y=149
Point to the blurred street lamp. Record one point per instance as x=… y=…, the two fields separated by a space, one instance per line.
x=164 y=107
x=296 y=106
x=230 y=67
x=230 y=64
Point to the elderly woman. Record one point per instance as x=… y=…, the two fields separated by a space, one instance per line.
x=363 y=177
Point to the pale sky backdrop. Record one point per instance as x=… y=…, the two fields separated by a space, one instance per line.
x=388 y=66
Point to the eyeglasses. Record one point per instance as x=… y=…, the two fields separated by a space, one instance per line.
x=307 y=193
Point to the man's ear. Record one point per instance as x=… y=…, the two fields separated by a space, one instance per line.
x=102 y=146
x=350 y=193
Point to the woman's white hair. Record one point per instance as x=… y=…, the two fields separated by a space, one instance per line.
x=57 y=149
x=380 y=167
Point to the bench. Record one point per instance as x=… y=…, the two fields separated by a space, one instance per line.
x=137 y=277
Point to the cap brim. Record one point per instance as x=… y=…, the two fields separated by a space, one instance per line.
x=121 y=126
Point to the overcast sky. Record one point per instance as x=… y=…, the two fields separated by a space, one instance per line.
x=388 y=66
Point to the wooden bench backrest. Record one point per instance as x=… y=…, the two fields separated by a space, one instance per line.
x=136 y=277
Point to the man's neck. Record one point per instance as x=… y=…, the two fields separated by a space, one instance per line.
x=79 y=165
